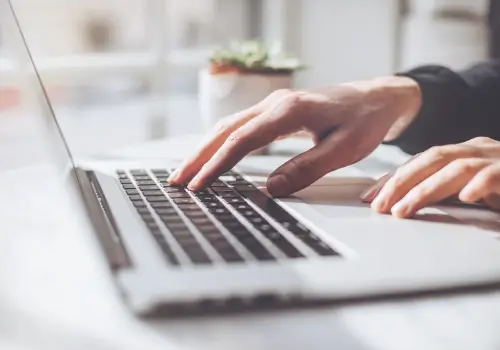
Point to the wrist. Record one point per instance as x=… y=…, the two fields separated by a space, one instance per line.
x=404 y=97
x=397 y=99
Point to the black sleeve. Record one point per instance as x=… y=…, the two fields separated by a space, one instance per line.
x=456 y=106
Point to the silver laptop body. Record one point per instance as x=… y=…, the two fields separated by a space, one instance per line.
x=232 y=245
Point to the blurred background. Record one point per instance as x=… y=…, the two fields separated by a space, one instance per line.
x=122 y=72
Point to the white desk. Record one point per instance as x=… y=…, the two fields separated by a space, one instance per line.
x=56 y=294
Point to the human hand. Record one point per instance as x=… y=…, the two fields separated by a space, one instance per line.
x=470 y=170
x=347 y=122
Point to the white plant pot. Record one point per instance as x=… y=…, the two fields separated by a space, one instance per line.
x=221 y=95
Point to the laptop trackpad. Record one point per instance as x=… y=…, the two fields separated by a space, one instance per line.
x=333 y=197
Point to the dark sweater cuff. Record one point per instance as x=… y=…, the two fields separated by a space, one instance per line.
x=441 y=90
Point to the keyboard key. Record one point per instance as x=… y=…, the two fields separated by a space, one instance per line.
x=227 y=195
x=198 y=256
x=240 y=182
x=208 y=198
x=220 y=190
x=287 y=248
x=152 y=199
x=145 y=182
x=195 y=213
x=175 y=227
x=189 y=207
x=257 y=249
x=201 y=193
x=139 y=203
x=200 y=221
x=184 y=200
x=258 y=221
x=234 y=201
x=134 y=191
x=245 y=188
x=165 y=247
x=219 y=210
x=322 y=249
x=153 y=193
x=179 y=195
x=143 y=210
x=175 y=189
x=126 y=181
x=207 y=227
x=148 y=187
x=128 y=187
x=157 y=205
x=141 y=177
x=172 y=218
x=160 y=171
x=166 y=211
x=242 y=207
x=135 y=197
x=229 y=254
x=225 y=217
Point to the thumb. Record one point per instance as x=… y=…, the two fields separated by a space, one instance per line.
x=300 y=171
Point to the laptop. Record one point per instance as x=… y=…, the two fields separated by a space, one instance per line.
x=232 y=244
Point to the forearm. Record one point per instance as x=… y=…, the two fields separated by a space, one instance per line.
x=455 y=107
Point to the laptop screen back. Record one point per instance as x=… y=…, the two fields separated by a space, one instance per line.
x=41 y=140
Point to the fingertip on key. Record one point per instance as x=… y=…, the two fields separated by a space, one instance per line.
x=173 y=178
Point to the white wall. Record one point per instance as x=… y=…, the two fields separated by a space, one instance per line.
x=342 y=40
x=455 y=41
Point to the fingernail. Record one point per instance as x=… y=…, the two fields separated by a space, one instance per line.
x=369 y=194
x=468 y=196
x=173 y=177
x=278 y=185
x=193 y=186
x=401 y=210
x=379 y=204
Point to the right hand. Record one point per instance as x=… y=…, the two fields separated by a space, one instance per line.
x=347 y=122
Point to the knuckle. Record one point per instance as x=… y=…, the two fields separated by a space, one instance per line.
x=489 y=178
x=397 y=179
x=220 y=126
x=464 y=166
x=276 y=95
x=437 y=153
x=291 y=99
x=237 y=140
x=280 y=92
x=420 y=192
x=481 y=140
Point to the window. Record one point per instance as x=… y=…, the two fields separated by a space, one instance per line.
x=125 y=71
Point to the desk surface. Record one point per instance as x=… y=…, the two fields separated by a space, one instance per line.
x=59 y=296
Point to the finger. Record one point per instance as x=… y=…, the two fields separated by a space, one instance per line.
x=443 y=184
x=334 y=152
x=484 y=183
x=211 y=144
x=414 y=172
x=369 y=194
x=255 y=134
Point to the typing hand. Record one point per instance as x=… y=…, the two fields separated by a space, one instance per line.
x=470 y=170
x=347 y=122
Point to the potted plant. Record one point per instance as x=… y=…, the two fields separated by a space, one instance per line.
x=240 y=75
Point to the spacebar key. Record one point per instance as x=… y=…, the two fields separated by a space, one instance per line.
x=268 y=205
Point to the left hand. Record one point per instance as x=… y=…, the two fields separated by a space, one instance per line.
x=470 y=170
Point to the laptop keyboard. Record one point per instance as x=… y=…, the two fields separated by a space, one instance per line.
x=220 y=223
